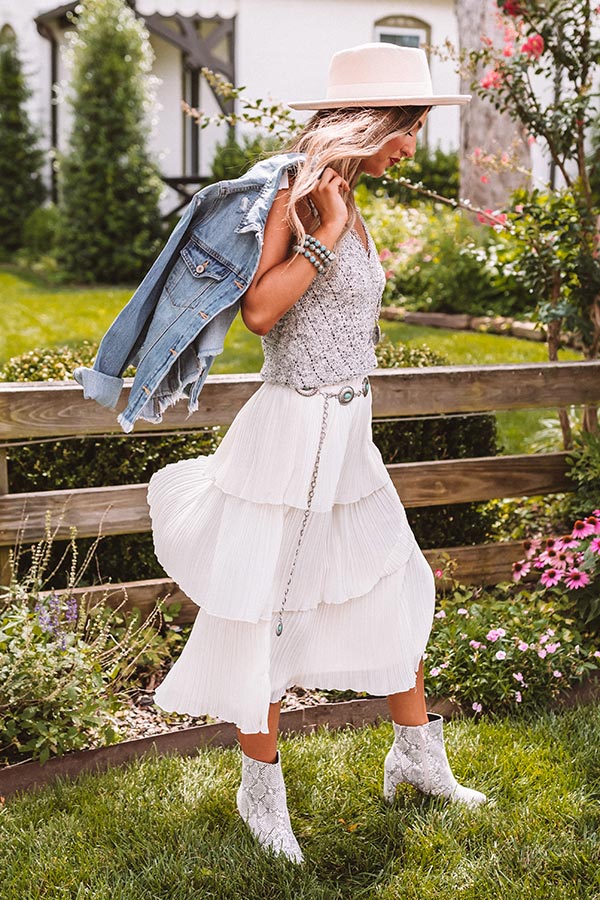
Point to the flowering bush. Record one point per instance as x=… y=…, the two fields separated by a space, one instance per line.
x=568 y=565
x=505 y=650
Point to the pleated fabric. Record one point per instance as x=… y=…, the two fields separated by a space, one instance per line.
x=226 y=526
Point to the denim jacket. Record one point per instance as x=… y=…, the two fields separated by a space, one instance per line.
x=176 y=321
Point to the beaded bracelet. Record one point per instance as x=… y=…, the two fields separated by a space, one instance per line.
x=316 y=253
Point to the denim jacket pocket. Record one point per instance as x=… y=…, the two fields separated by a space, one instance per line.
x=195 y=271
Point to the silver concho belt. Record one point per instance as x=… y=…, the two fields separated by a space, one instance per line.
x=344 y=396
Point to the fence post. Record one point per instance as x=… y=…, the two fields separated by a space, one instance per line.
x=4 y=551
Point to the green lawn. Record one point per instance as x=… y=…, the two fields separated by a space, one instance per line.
x=167 y=828
x=36 y=316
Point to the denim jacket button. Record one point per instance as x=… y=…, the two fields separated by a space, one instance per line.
x=200 y=269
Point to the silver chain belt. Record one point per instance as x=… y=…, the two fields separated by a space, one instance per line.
x=344 y=396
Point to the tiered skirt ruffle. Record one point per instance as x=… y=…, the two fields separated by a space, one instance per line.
x=361 y=599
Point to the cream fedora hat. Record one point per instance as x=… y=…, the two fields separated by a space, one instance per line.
x=380 y=75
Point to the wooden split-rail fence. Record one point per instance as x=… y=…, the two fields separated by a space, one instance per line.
x=33 y=411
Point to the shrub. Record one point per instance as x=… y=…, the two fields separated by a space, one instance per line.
x=232 y=158
x=21 y=186
x=95 y=462
x=442 y=437
x=435 y=170
x=40 y=231
x=430 y=253
x=61 y=664
x=110 y=227
x=505 y=650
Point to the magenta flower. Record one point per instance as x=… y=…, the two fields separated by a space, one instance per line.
x=491 y=79
x=550 y=577
x=575 y=579
x=552 y=648
x=533 y=46
x=500 y=654
x=595 y=521
x=548 y=556
x=562 y=559
x=582 y=528
x=522 y=645
x=567 y=542
x=438 y=573
x=595 y=545
x=518 y=676
x=544 y=638
x=542 y=653
x=520 y=569
x=475 y=645
x=477 y=707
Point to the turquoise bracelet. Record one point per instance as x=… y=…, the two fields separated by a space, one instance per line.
x=316 y=253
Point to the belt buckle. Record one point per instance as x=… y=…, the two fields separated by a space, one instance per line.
x=346 y=395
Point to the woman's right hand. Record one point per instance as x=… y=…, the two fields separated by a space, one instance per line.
x=326 y=196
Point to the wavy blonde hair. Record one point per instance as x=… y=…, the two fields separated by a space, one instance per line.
x=341 y=139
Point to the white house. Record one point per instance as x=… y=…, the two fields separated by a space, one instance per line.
x=277 y=48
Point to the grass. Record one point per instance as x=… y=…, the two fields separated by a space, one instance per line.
x=167 y=828
x=38 y=316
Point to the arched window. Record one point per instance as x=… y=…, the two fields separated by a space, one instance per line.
x=406 y=31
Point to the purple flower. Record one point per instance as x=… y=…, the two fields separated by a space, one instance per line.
x=557 y=674
x=71 y=610
x=477 y=707
x=518 y=676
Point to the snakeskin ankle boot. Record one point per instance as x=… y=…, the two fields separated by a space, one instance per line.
x=418 y=757
x=261 y=801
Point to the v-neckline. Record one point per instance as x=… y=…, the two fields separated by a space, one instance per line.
x=366 y=247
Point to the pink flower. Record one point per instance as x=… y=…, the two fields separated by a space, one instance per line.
x=477 y=152
x=389 y=275
x=533 y=46
x=550 y=631
x=518 y=696
x=484 y=179
x=531 y=544
x=548 y=556
x=531 y=139
x=508 y=50
x=595 y=545
x=581 y=529
x=557 y=674
x=597 y=653
x=438 y=573
x=518 y=676
x=505 y=159
x=566 y=542
x=512 y=8
x=519 y=569
x=385 y=254
x=562 y=559
x=575 y=579
x=477 y=707
x=522 y=645
x=550 y=577
x=475 y=644
x=552 y=648
x=462 y=611
x=440 y=615
x=595 y=521
x=544 y=638
x=491 y=79
x=435 y=671
x=542 y=653
x=495 y=633
x=500 y=654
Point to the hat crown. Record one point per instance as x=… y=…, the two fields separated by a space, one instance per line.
x=380 y=70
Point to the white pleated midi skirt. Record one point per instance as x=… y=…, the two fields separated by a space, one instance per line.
x=360 y=603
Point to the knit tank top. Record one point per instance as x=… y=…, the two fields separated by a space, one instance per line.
x=330 y=333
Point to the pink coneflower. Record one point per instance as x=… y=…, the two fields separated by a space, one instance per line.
x=520 y=569
x=530 y=546
x=567 y=542
x=500 y=654
x=575 y=578
x=582 y=528
x=562 y=559
x=595 y=521
x=477 y=707
x=549 y=543
x=551 y=577
x=548 y=556
x=518 y=676
x=595 y=545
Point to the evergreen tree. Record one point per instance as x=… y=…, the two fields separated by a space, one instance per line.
x=21 y=186
x=109 y=187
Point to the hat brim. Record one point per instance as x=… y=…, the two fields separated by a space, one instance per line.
x=437 y=100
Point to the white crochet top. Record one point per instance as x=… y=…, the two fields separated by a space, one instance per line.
x=330 y=333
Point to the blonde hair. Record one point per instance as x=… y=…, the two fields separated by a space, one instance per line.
x=341 y=139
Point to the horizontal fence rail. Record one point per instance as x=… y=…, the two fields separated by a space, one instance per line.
x=34 y=411
x=40 y=409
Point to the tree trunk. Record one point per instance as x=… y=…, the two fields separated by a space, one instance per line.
x=481 y=124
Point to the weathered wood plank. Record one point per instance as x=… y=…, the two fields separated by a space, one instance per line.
x=5 y=570
x=483 y=564
x=124 y=510
x=58 y=409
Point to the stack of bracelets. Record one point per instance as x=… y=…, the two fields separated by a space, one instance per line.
x=316 y=253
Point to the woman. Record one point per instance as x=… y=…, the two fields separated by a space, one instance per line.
x=291 y=536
